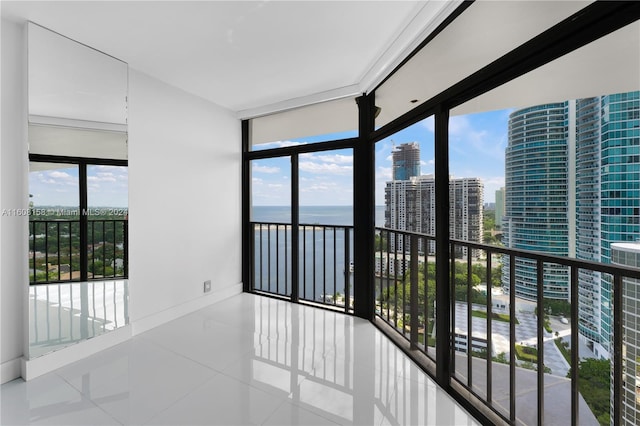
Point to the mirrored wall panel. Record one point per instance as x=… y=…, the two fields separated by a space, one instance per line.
x=78 y=188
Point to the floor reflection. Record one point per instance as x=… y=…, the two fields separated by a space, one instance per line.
x=342 y=369
x=246 y=360
x=62 y=314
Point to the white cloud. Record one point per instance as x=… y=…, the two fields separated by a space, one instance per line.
x=495 y=180
x=324 y=168
x=383 y=148
x=56 y=177
x=315 y=188
x=429 y=124
x=265 y=169
x=383 y=173
x=334 y=158
x=278 y=144
x=326 y=192
x=103 y=177
x=60 y=175
x=466 y=139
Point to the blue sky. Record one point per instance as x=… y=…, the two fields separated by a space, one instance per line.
x=476 y=149
x=107 y=186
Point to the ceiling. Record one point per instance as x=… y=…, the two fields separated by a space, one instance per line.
x=252 y=57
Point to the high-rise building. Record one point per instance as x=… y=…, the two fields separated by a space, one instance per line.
x=411 y=204
x=573 y=189
x=628 y=254
x=466 y=208
x=607 y=201
x=499 y=212
x=536 y=195
x=588 y=218
x=406 y=161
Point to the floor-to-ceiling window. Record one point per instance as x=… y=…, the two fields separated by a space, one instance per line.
x=301 y=204
x=500 y=138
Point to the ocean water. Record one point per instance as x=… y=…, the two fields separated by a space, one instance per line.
x=312 y=215
x=323 y=266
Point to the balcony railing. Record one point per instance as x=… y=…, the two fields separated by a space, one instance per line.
x=504 y=356
x=55 y=250
x=518 y=366
x=325 y=266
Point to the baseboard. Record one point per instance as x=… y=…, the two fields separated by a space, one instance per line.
x=159 y=318
x=35 y=367
x=10 y=370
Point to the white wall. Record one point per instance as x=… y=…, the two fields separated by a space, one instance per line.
x=13 y=197
x=184 y=201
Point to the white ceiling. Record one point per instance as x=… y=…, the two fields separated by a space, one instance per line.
x=253 y=57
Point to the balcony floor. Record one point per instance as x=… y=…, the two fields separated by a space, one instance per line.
x=246 y=360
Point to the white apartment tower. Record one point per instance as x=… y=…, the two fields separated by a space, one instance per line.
x=410 y=206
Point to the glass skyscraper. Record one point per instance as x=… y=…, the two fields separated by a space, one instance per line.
x=573 y=189
x=614 y=122
x=588 y=238
x=536 y=191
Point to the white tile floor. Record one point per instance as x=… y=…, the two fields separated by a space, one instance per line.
x=246 y=360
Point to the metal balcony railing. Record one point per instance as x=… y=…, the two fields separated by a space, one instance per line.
x=55 y=250
x=503 y=357
x=325 y=266
x=494 y=345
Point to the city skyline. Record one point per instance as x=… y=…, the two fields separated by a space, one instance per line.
x=477 y=148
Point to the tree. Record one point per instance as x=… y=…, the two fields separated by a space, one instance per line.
x=402 y=290
x=595 y=385
x=489 y=219
x=557 y=307
x=380 y=242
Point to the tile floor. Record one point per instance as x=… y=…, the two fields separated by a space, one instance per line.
x=246 y=360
